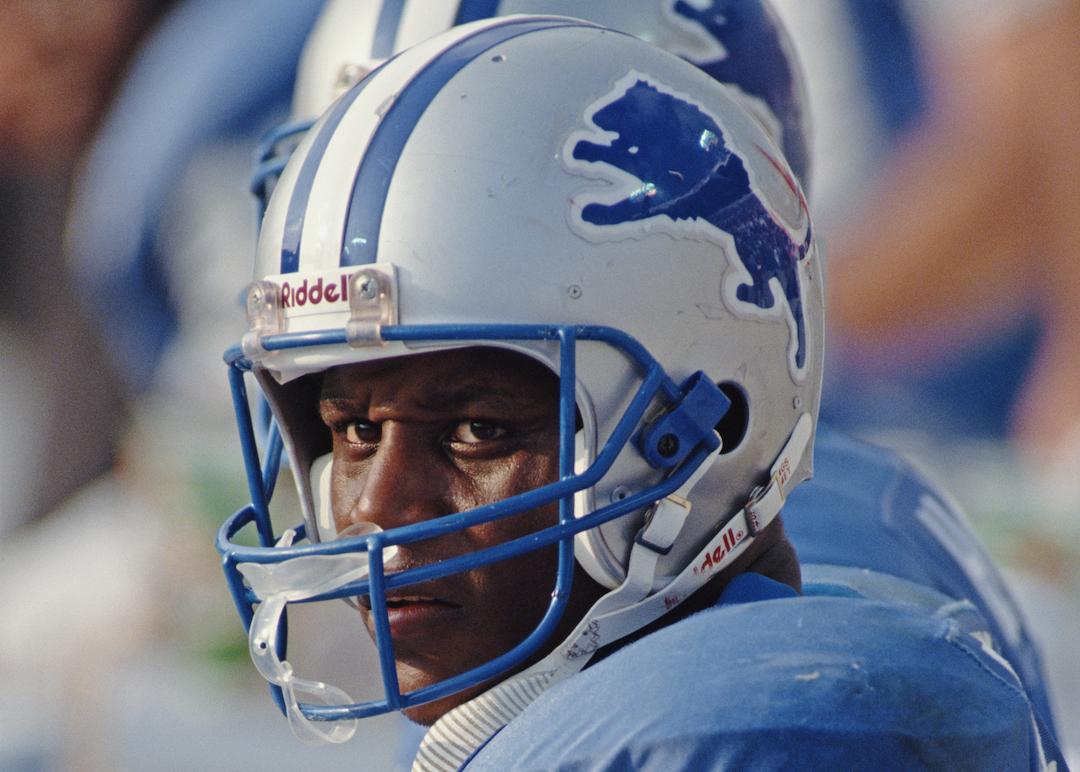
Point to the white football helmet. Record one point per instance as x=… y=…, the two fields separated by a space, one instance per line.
x=550 y=186
x=741 y=43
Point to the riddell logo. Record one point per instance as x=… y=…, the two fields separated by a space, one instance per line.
x=315 y=292
x=712 y=559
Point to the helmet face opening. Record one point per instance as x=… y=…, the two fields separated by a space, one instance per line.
x=629 y=250
x=358 y=564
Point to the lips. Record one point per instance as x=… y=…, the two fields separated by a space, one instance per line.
x=413 y=615
x=402 y=601
x=408 y=599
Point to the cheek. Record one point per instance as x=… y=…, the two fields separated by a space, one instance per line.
x=347 y=481
x=518 y=474
x=523 y=582
x=494 y=481
x=344 y=490
x=515 y=592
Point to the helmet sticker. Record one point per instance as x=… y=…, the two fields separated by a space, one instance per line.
x=745 y=49
x=672 y=170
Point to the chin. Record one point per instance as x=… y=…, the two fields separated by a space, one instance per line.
x=430 y=712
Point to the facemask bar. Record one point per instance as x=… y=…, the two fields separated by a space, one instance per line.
x=271 y=155
x=274 y=446
x=698 y=442
x=273 y=152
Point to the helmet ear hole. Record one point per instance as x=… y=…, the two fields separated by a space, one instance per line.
x=732 y=427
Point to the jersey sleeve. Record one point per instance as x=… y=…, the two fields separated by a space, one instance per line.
x=827 y=682
x=868 y=508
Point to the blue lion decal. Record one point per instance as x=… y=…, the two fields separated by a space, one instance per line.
x=688 y=172
x=756 y=62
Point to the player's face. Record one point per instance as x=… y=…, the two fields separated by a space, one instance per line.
x=425 y=436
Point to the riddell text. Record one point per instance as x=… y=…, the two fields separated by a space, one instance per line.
x=315 y=293
x=712 y=559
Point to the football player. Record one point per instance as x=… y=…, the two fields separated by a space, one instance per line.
x=893 y=519
x=538 y=310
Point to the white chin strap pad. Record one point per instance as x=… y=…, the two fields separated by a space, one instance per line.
x=322 y=512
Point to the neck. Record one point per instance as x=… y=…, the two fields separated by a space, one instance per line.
x=771 y=555
x=777 y=559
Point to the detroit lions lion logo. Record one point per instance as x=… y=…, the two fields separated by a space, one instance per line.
x=740 y=44
x=686 y=173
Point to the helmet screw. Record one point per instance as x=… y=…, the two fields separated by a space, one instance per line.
x=797 y=403
x=619 y=493
x=368 y=287
x=668 y=445
x=574 y=291
x=350 y=74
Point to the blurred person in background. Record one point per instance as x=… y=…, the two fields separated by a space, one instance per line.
x=972 y=225
x=59 y=64
x=114 y=592
x=62 y=408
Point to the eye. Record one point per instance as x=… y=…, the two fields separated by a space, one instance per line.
x=473 y=432
x=362 y=432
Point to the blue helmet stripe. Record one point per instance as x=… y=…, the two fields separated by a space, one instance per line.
x=471 y=10
x=294 y=218
x=361 y=236
x=386 y=29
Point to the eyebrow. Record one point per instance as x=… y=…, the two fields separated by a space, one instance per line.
x=449 y=399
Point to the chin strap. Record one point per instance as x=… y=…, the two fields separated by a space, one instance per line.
x=631 y=606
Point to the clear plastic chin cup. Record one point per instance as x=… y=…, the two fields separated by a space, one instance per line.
x=292 y=581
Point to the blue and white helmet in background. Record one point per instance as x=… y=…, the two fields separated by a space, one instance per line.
x=740 y=43
x=569 y=192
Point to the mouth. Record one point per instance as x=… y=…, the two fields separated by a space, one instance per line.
x=404 y=601
x=412 y=616
x=408 y=600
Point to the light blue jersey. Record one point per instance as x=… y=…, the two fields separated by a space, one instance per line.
x=835 y=679
x=868 y=508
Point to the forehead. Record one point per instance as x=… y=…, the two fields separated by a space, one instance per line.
x=470 y=372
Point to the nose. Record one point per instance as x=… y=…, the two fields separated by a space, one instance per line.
x=402 y=483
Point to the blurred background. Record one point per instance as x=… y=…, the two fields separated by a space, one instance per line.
x=945 y=187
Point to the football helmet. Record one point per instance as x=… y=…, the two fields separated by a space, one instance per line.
x=574 y=194
x=741 y=43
